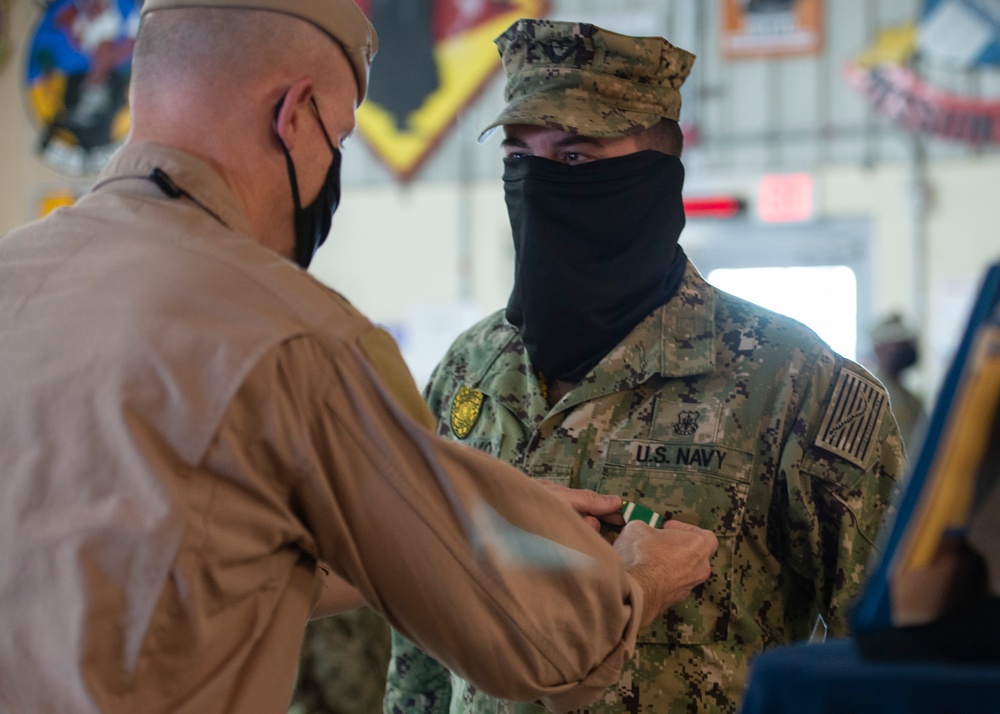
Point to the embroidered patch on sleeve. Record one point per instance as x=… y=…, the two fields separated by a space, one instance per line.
x=465 y=410
x=853 y=416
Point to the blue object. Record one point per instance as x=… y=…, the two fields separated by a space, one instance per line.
x=872 y=612
x=985 y=12
x=833 y=678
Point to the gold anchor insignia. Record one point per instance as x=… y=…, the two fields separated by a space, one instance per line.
x=465 y=410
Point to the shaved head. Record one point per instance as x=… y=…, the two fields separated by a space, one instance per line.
x=246 y=91
x=219 y=51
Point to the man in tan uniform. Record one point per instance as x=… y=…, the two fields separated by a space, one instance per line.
x=193 y=430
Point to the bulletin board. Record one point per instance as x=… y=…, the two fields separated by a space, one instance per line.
x=771 y=28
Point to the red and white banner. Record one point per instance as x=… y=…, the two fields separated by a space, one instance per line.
x=899 y=93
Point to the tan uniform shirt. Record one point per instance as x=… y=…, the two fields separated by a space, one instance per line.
x=189 y=424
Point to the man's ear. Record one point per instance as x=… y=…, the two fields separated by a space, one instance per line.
x=289 y=117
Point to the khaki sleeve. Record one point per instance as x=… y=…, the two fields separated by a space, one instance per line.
x=462 y=554
x=383 y=354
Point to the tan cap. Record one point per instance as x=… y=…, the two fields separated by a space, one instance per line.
x=340 y=19
x=890 y=329
x=579 y=78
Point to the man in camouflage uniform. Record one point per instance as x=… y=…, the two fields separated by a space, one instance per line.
x=342 y=664
x=616 y=367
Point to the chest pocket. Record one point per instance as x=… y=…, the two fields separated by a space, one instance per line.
x=487 y=444
x=703 y=484
x=562 y=475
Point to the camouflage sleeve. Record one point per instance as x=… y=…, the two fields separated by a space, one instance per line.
x=838 y=475
x=436 y=393
x=416 y=683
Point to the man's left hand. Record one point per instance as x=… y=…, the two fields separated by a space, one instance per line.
x=594 y=507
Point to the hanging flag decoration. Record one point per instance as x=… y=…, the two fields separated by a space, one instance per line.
x=76 y=81
x=899 y=93
x=884 y=74
x=961 y=33
x=434 y=58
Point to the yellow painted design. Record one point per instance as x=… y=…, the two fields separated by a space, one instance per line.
x=893 y=45
x=52 y=200
x=46 y=96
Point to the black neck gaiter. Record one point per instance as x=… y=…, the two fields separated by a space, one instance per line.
x=595 y=252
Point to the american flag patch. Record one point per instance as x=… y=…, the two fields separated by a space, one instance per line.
x=853 y=416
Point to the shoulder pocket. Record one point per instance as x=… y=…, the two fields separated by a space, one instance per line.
x=383 y=354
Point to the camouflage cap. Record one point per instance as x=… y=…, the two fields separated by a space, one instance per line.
x=582 y=79
x=340 y=19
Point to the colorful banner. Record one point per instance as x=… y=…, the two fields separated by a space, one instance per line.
x=901 y=94
x=76 y=81
x=961 y=33
x=771 y=28
x=434 y=58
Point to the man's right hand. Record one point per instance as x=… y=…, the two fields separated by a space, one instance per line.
x=668 y=562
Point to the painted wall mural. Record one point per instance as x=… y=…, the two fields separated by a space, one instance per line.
x=434 y=58
x=76 y=77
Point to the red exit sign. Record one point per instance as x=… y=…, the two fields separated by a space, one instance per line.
x=713 y=206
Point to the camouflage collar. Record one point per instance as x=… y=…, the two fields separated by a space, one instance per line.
x=675 y=340
x=687 y=328
x=508 y=377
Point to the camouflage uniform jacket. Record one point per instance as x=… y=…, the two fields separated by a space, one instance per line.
x=716 y=412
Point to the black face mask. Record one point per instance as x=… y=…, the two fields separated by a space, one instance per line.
x=903 y=357
x=312 y=222
x=595 y=252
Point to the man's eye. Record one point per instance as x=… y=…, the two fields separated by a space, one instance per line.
x=516 y=155
x=573 y=157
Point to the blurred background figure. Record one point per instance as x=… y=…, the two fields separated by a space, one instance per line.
x=895 y=350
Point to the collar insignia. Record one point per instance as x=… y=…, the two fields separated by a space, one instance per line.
x=687 y=423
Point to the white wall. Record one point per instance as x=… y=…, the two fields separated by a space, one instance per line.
x=962 y=239
x=426 y=259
